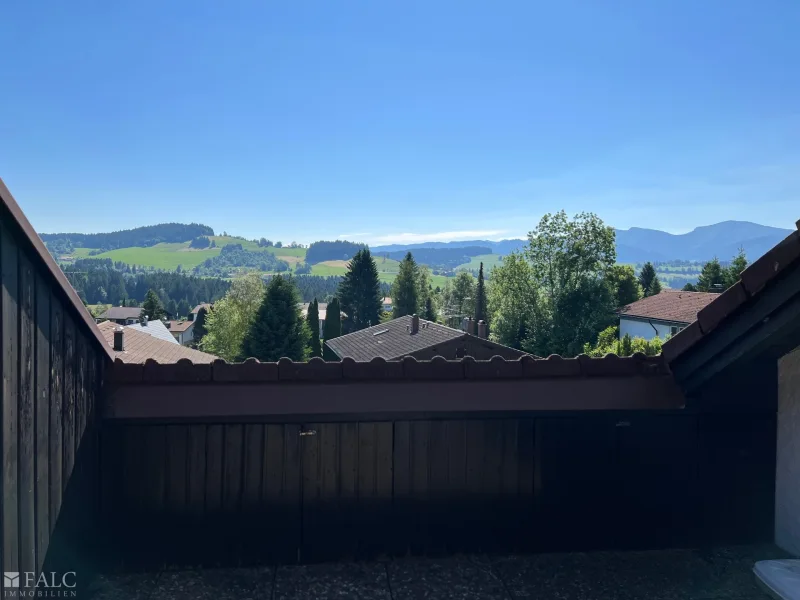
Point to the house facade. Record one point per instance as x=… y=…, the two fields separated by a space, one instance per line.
x=182 y=331
x=662 y=315
x=121 y=315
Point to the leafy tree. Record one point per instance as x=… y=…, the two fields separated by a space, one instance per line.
x=151 y=307
x=480 y=299
x=279 y=244
x=712 y=277
x=512 y=301
x=279 y=329
x=608 y=342
x=734 y=270
x=570 y=260
x=231 y=317
x=624 y=285
x=315 y=349
x=332 y=329
x=405 y=290
x=360 y=292
x=200 y=242
x=689 y=287
x=429 y=313
x=626 y=345
x=648 y=280
x=458 y=299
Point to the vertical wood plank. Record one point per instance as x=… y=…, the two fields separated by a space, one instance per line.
x=214 y=456
x=42 y=419
x=402 y=511
x=196 y=470
x=154 y=460
x=68 y=425
x=384 y=445
x=9 y=321
x=26 y=467
x=437 y=505
x=253 y=467
x=459 y=515
x=421 y=517
x=80 y=387
x=56 y=441
x=232 y=469
x=176 y=481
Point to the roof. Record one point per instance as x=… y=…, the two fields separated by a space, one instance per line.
x=386 y=300
x=180 y=326
x=204 y=305
x=121 y=312
x=140 y=346
x=674 y=306
x=155 y=328
x=755 y=279
x=39 y=248
x=392 y=339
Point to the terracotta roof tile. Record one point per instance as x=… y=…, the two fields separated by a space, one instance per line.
x=179 y=326
x=121 y=312
x=670 y=305
x=139 y=347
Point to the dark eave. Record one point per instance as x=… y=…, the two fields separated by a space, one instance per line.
x=651 y=320
x=29 y=233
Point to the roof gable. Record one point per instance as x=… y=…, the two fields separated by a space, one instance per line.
x=670 y=305
x=139 y=347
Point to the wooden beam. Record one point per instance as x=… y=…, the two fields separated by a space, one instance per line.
x=218 y=401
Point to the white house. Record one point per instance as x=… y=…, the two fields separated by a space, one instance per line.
x=663 y=314
x=182 y=331
x=387 y=304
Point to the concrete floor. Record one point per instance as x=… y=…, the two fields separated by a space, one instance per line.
x=719 y=573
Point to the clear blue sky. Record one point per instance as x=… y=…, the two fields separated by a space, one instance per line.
x=379 y=119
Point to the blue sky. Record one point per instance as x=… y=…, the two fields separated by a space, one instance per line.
x=390 y=121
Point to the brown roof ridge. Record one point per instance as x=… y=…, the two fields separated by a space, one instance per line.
x=409 y=368
x=752 y=281
x=61 y=279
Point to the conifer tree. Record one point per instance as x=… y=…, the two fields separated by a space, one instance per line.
x=712 y=277
x=648 y=280
x=405 y=297
x=332 y=329
x=313 y=329
x=279 y=329
x=152 y=307
x=480 y=299
x=360 y=292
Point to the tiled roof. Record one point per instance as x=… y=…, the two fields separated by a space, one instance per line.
x=754 y=279
x=139 y=347
x=156 y=329
x=180 y=326
x=670 y=305
x=197 y=308
x=122 y=312
x=392 y=339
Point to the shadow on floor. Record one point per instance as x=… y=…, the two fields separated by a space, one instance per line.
x=715 y=574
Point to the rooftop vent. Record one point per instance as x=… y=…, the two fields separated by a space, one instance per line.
x=380 y=332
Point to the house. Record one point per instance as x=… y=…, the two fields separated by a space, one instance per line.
x=196 y=310
x=662 y=315
x=111 y=463
x=386 y=304
x=122 y=315
x=412 y=336
x=134 y=345
x=182 y=331
x=155 y=328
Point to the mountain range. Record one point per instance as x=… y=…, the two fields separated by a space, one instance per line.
x=637 y=244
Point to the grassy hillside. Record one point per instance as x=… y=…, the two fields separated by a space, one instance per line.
x=387 y=270
x=488 y=260
x=169 y=256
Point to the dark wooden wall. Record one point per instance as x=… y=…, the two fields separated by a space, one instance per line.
x=50 y=383
x=252 y=492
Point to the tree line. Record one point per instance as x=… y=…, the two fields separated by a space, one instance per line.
x=140 y=236
x=337 y=250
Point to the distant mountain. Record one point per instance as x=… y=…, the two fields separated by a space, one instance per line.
x=722 y=240
x=502 y=247
x=140 y=236
x=636 y=245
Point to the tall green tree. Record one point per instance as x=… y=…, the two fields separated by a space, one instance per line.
x=314 y=347
x=570 y=259
x=183 y=309
x=458 y=297
x=734 y=270
x=172 y=309
x=151 y=307
x=430 y=312
x=512 y=301
x=200 y=330
x=405 y=289
x=712 y=277
x=360 y=292
x=624 y=285
x=648 y=280
x=332 y=329
x=480 y=299
x=279 y=330
x=230 y=318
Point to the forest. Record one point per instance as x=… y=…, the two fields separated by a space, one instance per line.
x=439 y=258
x=339 y=250
x=232 y=257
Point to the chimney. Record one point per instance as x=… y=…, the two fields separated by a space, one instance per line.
x=464 y=321
x=414 y=324
x=144 y=321
x=119 y=339
x=482 y=329
x=470 y=326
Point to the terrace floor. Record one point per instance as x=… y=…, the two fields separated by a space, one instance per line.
x=719 y=573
